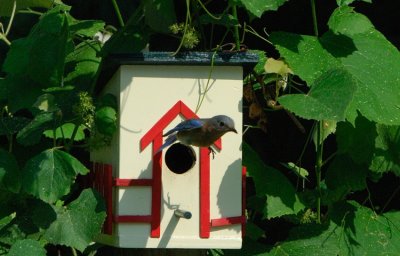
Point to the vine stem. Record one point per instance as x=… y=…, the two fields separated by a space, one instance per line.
x=318 y=167
x=314 y=16
x=118 y=12
x=236 y=28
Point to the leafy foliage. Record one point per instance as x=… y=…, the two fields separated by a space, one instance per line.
x=338 y=87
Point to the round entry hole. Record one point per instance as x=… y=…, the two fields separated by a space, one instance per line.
x=180 y=158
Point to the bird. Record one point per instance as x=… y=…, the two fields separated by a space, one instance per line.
x=200 y=132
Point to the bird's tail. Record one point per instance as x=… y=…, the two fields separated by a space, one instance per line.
x=170 y=140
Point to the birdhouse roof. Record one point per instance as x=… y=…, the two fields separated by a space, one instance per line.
x=246 y=59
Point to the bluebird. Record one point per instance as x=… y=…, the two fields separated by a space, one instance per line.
x=201 y=132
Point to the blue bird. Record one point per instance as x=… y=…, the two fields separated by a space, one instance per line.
x=201 y=132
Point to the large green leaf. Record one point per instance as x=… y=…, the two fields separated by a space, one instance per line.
x=387 y=145
x=106 y=120
x=32 y=132
x=83 y=64
x=9 y=172
x=354 y=230
x=159 y=14
x=304 y=54
x=257 y=7
x=79 y=222
x=282 y=198
x=66 y=131
x=344 y=172
x=358 y=141
x=328 y=98
x=374 y=62
x=6 y=6
x=50 y=174
x=343 y=16
x=41 y=55
x=27 y=247
x=86 y=28
x=347 y=2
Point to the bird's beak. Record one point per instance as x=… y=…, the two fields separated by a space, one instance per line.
x=233 y=130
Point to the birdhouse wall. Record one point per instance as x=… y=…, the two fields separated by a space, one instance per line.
x=145 y=93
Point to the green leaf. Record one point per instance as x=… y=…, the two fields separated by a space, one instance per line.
x=32 y=133
x=259 y=68
x=386 y=155
x=86 y=28
x=41 y=55
x=6 y=6
x=328 y=98
x=343 y=16
x=373 y=62
x=257 y=8
x=83 y=64
x=159 y=14
x=253 y=231
x=9 y=172
x=79 y=222
x=344 y=172
x=328 y=127
x=50 y=174
x=358 y=141
x=300 y=172
x=347 y=2
x=363 y=232
x=354 y=230
x=282 y=198
x=27 y=247
x=304 y=54
x=106 y=120
x=127 y=40
x=65 y=131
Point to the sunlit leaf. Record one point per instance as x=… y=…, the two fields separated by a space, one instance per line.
x=27 y=247
x=79 y=222
x=50 y=174
x=328 y=98
x=257 y=8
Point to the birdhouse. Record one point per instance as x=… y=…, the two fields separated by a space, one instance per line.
x=182 y=196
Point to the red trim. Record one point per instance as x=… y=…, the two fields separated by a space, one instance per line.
x=133 y=219
x=227 y=221
x=132 y=182
x=160 y=126
x=244 y=170
x=108 y=182
x=156 y=188
x=204 y=193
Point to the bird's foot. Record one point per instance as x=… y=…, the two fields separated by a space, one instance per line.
x=211 y=151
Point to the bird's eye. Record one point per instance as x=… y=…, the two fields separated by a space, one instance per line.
x=221 y=124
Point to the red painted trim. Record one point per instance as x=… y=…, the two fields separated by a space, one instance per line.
x=158 y=127
x=156 y=188
x=244 y=170
x=132 y=182
x=227 y=221
x=133 y=219
x=204 y=193
x=108 y=182
x=96 y=176
x=185 y=111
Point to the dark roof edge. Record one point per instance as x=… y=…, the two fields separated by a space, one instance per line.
x=186 y=58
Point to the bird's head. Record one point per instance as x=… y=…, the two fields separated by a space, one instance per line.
x=224 y=124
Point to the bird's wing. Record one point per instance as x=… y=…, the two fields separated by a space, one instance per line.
x=186 y=125
x=170 y=139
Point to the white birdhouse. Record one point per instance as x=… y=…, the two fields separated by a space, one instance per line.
x=181 y=197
